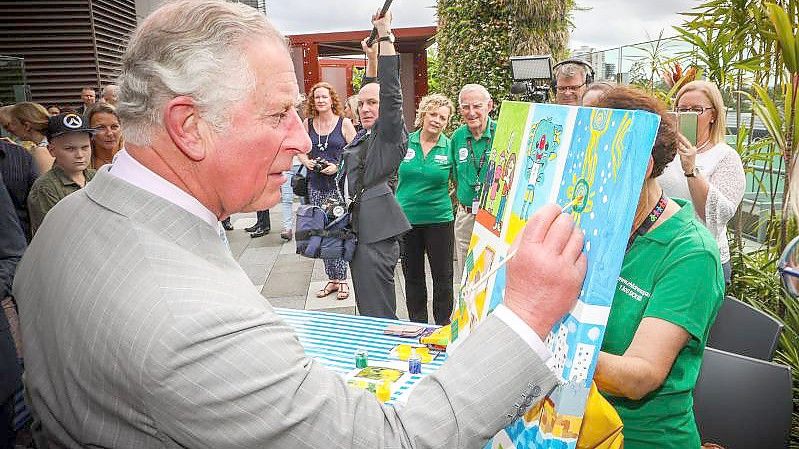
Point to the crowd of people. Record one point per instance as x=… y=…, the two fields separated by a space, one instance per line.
x=139 y=328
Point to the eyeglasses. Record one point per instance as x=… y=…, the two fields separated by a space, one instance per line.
x=788 y=267
x=573 y=89
x=698 y=109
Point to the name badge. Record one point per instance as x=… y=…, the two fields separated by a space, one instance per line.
x=441 y=158
x=476 y=200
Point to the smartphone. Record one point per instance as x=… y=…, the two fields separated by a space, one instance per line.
x=687 y=124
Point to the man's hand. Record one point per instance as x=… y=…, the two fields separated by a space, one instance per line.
x=547 y=272
x=371 y=52
x=382 y=24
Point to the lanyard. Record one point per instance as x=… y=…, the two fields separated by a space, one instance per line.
x=483 y=156
x=650 y=220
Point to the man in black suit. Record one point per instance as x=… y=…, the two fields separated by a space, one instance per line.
x=369 y=161
x=19 y=172
x=89 y=96
x=12 y=245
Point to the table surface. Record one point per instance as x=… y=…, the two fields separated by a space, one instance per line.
x=333 y=338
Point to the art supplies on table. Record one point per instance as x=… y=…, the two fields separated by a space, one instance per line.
x=439 y=337
x=371 y=377
x=405 y=330
x=403 y=352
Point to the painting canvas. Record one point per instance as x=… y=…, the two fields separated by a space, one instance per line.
x=594 y=159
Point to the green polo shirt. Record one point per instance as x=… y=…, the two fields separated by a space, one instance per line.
x=49 y=189
x=672 y=273
x=424 y=182
x=468 y=161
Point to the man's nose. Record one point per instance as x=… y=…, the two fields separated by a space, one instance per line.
x=297 y=138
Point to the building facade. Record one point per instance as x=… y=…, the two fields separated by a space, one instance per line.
x=66 y=44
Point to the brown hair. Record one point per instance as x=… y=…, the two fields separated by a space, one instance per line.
x=32 y=113
x=99 y=108
x=335 y=103
x=665 y=147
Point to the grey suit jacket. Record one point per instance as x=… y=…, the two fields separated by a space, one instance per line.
x=141 y=331
x=380 y=216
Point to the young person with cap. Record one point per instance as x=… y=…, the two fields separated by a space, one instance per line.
x=69 y=142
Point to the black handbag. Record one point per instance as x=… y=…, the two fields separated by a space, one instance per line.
x=299 y=183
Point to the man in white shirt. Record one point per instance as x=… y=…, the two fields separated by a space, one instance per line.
x=147 y=333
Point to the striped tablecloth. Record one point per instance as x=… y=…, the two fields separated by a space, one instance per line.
x=333 y=339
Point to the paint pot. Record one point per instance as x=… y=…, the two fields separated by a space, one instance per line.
x=414 y=363
x=361 y=358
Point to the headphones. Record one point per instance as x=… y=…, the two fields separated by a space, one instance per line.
x=589 y=71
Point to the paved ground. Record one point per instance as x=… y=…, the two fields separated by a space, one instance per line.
x=287 y=279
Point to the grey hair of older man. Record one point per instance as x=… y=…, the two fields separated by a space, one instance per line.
x=110 y=94
x=571 y=70
x=192 y=48
x=476 y=88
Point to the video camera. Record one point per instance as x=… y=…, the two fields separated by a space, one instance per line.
x=532 y=77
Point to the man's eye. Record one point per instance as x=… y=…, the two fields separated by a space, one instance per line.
x=278 y=118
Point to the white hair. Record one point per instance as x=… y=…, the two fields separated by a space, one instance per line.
x=109 y=88
x=474 y=88
x=193 y=48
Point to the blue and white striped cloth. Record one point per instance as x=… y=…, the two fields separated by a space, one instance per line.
x=333 y=338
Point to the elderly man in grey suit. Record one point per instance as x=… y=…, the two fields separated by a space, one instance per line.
x=369 y=161
x=141 y=330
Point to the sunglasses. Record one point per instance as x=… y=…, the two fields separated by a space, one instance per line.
x=788 y=267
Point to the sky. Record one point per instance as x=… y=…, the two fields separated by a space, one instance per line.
x=606 y=24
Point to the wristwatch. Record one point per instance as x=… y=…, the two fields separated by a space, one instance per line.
x=693 y=173
x=389 y=38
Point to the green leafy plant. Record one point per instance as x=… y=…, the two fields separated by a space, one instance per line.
x=477 y=37
x=357 y=78
x=750 y=48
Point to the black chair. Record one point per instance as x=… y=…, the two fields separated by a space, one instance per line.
x=741 y=402
x=742 y=329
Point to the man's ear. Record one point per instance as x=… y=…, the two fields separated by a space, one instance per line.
x=184 y=125
x=490 y=105
x=50 y=149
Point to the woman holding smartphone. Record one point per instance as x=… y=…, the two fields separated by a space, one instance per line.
x=709 y=172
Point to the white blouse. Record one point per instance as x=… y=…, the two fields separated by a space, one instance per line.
x=722 y=168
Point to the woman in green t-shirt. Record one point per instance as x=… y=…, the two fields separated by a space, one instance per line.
x=670 y=288
x=423 y=193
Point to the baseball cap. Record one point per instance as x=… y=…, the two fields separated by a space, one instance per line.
x=67 y=122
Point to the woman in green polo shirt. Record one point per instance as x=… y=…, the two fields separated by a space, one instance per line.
x=424 y=197
x=670 y=288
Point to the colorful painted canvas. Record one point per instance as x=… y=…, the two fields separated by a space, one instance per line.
x=594 y=159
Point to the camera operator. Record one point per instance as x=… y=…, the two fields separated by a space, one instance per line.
x=369 y=161
x=572 y=76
